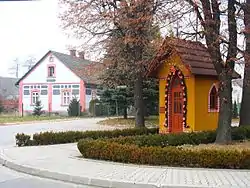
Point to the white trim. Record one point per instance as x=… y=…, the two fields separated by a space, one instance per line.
x=66 y=98
x=218 y=99
x=34 y=97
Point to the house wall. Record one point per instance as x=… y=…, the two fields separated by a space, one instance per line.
x=27 y=103
x=40 y=73
x=163 y=72
x=204 y=119
x=39 y=77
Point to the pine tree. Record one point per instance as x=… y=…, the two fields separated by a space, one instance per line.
x=74 y=107
x=235 y=110
x=38 y=108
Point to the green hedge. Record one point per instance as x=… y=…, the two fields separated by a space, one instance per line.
x=49 y=138
x=194 y=138
x=133 y=136
x=163 y=150
x=170 y=156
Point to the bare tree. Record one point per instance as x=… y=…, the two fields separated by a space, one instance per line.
x=209 y=14
x=29 y=63
x=131 y=21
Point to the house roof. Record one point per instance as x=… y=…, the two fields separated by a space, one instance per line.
x=193 y=54
x=8 y=89
x=81 y=67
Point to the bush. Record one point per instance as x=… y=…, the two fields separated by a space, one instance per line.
x=23 y=140
x=37 y=111
x=140 y=137
x=48 y=138
x=194 y=138
x=97 y=108
x=74 y=108
x=171 y=156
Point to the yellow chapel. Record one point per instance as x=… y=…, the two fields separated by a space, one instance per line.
x=188 y=87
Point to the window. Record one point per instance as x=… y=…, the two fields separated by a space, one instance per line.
x=88 y=91
x=213 y=100
x=51 y=59
x=51 y=71
x=26 y=92
x=56 y=92
x=75 y=92
x=44 y=92
x=66 y=98
x=56 y=86
x=26 y=87
x=35 y=97
x=75 y=86
x=43 y=86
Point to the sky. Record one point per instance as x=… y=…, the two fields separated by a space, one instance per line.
x=29 y=28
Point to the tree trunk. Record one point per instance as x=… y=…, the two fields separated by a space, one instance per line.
x=125 y=114
x=245 y=107
x=139 y=103
x=225 y=116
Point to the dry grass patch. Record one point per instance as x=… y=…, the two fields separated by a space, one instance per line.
x=237 y=120
x=18 y=119
x=243 y=145
x=151 y=121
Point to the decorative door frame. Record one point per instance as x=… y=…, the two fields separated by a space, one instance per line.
x=170 y=78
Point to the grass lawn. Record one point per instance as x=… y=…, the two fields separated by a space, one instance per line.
x=151 y=121
x=16 y=119
x=236 y=145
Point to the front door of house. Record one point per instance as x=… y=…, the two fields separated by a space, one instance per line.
x=176 y=106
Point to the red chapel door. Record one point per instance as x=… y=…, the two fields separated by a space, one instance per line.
x=176 y=106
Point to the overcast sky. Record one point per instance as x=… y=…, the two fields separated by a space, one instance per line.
x=29 y=28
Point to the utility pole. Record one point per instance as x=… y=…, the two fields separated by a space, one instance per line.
x=15 y=68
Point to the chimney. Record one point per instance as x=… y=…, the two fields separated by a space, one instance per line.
x=72 y=53
x=81 y=55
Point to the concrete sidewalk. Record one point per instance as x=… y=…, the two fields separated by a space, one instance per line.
x=63 y=162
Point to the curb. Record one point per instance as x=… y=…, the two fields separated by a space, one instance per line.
x=69 y=178
x=96 y=182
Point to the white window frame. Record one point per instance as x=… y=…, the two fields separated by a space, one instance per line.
x=34 y=97
x=51 y=73
x=66 y=98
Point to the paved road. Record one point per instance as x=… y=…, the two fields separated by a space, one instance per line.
x=8 y=133
x=12 y=179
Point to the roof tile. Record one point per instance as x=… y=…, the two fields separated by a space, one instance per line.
x=193 y=54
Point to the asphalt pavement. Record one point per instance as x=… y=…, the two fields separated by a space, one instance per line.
x=8 y=132
x=13 y=179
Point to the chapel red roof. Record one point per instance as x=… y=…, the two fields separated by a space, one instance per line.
x=193 y=54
